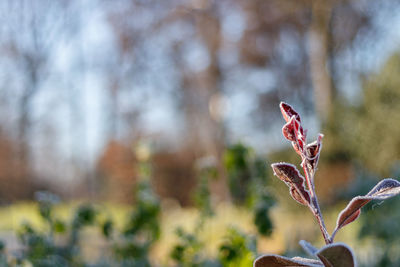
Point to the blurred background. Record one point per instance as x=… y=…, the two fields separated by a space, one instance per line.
x=118 y=104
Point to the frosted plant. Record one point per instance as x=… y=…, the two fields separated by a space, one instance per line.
x=302 y=189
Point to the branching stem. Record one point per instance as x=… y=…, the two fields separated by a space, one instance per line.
x=333 y=235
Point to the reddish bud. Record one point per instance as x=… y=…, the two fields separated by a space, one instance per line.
x=313 y=151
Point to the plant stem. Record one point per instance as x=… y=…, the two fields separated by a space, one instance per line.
x=314 y=205
x=320 y=219
x=333 y=235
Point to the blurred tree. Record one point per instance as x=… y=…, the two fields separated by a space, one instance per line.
x=207 y=47
x=278 y=37
x=28 y=43
x=285 y=36
x=116 y=172
x=174 y=175
x=8 y=191
x=375 y=135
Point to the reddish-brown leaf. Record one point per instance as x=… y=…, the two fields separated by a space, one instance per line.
x=386 y=188
x=279 y=261
x=298 y=130
x=352 y=217
x=336 y=255
x=288 y=130
x=297 y=148
x=300 y=144
x=313 y=151
x=314 y=148
x=288 y=112
x=302 y=198
x=332 y=255
x=289 y=174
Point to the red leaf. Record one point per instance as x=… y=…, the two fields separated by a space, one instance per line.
x=386 y=188
x=298 y=129
x=289 y=174
x=314 y=148
x=297 y=148
x=292 y=131
x=300 y=144
x=313 y=151
x=351 y=214
x=288 y=130
x=288 y=112
x=302 y=198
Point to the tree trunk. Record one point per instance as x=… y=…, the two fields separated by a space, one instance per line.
x=319 y=58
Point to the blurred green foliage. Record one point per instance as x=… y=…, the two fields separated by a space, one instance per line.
x=3 y=257
x=202 y=195
x=238 y=249
x=377 y=138
x=247 y=176
x=188 y=251
x=59 y=243
x=141 y=230
x=130 y=246
x=248 y=180
x=239 y=173
x=262 y=218
x=369 y=130
x=41 y=249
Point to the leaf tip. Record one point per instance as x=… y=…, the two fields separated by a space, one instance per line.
x=288 y=111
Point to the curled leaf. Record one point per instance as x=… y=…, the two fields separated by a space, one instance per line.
x=298 y=147
x=288 y=130
x=313 y=151
x=288 y=112
x=292 y=130
x=289 y=174
x=298 y=129
x=336 y=255
x=386 y=188
x=279 y=261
